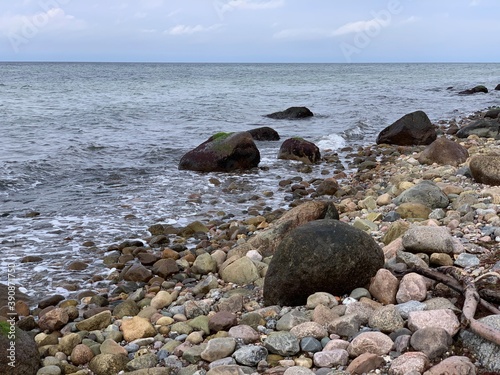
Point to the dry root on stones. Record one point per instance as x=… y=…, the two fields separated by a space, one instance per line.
x=465 y=284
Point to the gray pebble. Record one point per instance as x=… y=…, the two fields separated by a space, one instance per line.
x=465 y=260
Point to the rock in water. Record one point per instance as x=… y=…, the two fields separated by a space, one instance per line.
x=264 y=134
x=412 y=129
x=475 y=90
x=320 y=256
x=299 y=149
x=291 y=113
x=223 y=152
x=444 y=152
x=485 y=169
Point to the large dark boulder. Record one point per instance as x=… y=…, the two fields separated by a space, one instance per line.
x=223 y=152
x=444 y=152
x=264 y=134
x=474 y=90
x=19 y=351
x=291 y=113
x=320 y=256
x=412 y=129
x=482 y=128
x=497 y=87
x=485 y=169
x=299 y=149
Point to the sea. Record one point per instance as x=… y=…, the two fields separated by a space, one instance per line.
x=89 y=152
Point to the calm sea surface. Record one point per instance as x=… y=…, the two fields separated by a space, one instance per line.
x=94 y=148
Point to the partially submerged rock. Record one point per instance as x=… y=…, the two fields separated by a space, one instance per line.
x=292 y=113
x=475 y=90
x=264 y=134
x=299 y=149
x=223 y=152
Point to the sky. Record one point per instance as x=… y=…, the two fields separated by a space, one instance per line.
x=324 y=31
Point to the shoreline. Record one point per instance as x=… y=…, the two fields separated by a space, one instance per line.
x=387 y=171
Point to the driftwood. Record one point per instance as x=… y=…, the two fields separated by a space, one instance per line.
x=465 y=285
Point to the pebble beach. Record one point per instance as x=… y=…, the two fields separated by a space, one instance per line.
x=187 y=300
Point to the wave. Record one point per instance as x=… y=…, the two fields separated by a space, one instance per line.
x=357 y=132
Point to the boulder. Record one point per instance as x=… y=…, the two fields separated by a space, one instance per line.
x=485 y=169
x=474 y=90
x=22 y=358
x=412 y=129
x=492 y=113
x=299 y=149
x=497 y=87
x=264 y=134
x=321 y=256
x=444 y=152
x=482 y=128
x=291 y=113
x=223 y=152
x=426 y=193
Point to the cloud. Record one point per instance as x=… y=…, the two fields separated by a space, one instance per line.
x=360 y=26
x=52 y=19
x=188 y=30
x=225 y=6
x=348 y=28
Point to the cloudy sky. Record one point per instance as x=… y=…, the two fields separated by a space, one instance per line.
x=250 y=30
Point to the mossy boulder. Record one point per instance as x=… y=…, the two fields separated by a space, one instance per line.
x=223 y=152
x=19 y=351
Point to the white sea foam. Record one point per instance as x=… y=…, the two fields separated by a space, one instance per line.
x=331 y=142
